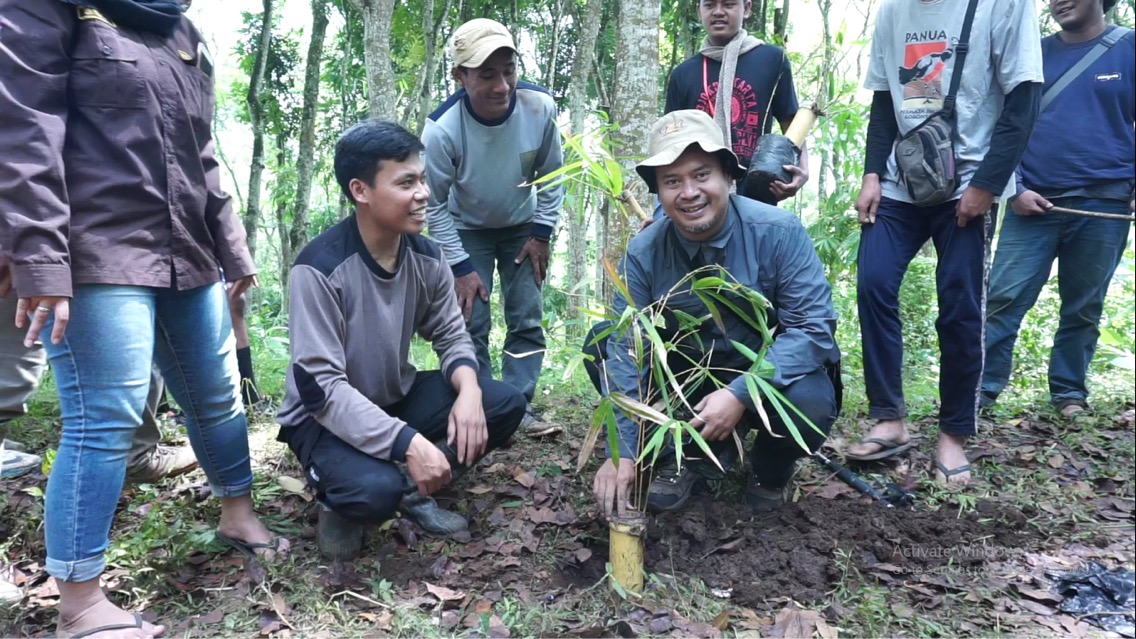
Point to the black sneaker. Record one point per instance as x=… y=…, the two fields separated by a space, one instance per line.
x=338 y=538
x=671 y=488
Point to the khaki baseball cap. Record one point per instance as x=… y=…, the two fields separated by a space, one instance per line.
x=674 y=133
x=476 y=40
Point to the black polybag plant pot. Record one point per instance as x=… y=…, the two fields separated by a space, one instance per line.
x=768 y=166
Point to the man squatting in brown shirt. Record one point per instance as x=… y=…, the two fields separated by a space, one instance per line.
x=354 y=406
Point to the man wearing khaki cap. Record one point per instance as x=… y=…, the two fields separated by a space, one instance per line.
x=484 y=146
x=763 y=248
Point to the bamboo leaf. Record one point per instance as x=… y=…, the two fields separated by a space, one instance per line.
x=701 y=443
x=592 y=435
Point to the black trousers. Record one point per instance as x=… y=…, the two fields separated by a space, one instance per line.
x=365 y=489
x=773 y=456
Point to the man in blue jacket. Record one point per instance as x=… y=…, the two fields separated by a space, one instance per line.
x=763 y=248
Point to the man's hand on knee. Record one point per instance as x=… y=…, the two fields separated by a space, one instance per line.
x=613 y=486
x=717 y=415
x=468 y=433
x=469 y=287
x=427 y=466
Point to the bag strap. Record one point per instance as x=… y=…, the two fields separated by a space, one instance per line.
x=961 y=50
x=1107 y=42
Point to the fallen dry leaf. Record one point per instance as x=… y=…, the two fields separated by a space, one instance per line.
x=722 y=621
x=292 y=485
x=443 y=593
x=826 y=631
x=479 y=490
x=792 y=623
x=1056 y=462
x=524 y=478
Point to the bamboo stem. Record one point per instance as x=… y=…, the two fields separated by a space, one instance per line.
x=802 y=123
x=630 y=202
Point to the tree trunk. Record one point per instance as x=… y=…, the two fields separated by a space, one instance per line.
x=635 y=99
x=305 y=160
x=554 y=50
x=431 y=28
x=382 y=90
x=286 y=255
x=589 y=21
x=781 y=21
x=256 y=121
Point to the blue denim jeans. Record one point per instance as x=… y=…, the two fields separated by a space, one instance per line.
x=523 y=352
x=1087 y=251
x=102 y=372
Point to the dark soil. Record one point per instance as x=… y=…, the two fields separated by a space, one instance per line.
x=795 y=550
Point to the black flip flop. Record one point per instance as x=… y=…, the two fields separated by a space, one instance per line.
x=951 y=472
x=247 y=548
x=118 y=626
x=888 y=448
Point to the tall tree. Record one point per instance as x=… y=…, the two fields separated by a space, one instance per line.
x=431 y=29
x=256 y=119
x=297 y=235
x=588 y=17
x=382 y=94
x=635 y=98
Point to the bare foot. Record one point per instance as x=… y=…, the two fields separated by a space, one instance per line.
x=77 y=617
x=239 y=521
x=886 y=429
x=951 y=455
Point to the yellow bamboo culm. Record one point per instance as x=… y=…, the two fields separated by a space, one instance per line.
x=625 y=546
x=802 y=123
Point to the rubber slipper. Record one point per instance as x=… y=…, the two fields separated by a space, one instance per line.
x=118 y=626
x=888 y=448
x=248 y=549
x=951 y=472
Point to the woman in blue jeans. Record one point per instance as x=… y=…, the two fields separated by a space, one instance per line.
x=117 y=231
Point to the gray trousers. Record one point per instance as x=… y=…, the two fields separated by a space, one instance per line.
x=523 y=352
x=21 y=369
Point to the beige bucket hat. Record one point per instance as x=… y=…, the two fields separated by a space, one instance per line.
x=673 y=134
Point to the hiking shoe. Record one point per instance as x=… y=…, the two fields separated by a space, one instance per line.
x=1072 y=407
x=765 y=500
x=338 y=538
x=162 y=462
x=14 y=463
x=533 y=426
x=430 y=517
x=671 y=488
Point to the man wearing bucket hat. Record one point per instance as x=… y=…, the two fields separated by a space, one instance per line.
x=484 y=146
x=763 y=248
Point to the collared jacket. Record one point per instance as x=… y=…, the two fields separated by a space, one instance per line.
x=107 y=172
x=762 y=247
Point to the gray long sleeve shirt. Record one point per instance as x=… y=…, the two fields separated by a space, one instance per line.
x=764 y=248
x=476 y=169
x=351 y=323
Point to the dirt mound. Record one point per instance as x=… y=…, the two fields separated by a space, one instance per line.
x=795 y=551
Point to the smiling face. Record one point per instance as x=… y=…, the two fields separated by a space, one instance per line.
x=491 y=85
x=1076 y=15
x=695 y=193
x=722 y=19
x=395 y=201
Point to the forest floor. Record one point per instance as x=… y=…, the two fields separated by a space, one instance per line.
x=1049 y=495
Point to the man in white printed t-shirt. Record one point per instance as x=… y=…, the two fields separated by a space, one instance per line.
x=914 y=55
